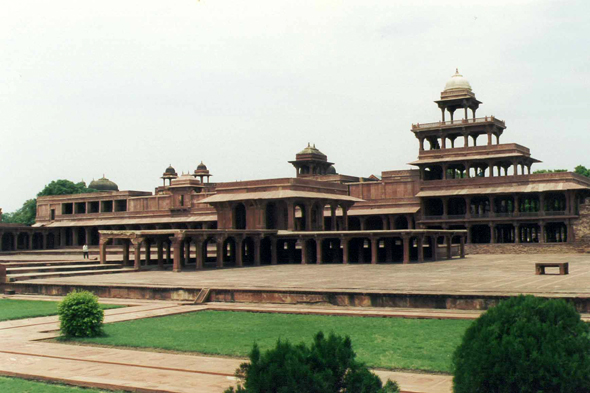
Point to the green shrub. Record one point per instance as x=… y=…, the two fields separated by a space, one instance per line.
x=328 y=366
x=80 y=315
x=525 y=344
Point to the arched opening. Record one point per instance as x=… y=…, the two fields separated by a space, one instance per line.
x=50 y=241
x=354 y=224
x=229 y=252
x=505 y=233
x=271 y=214
x=317 y=216
x=37 y=241
x=265 y=251
x=248 y=254
x=300 y=217
x=359 y=250
x=331 y=250
x=22 y=241
x=209 y=252
x=556 y=232
x=239 y=216
x=8 y=241
x=311 y=251
x=481 y=234
x=433 y=207
x=400 y=222
x=434 y=172
x=374 y=223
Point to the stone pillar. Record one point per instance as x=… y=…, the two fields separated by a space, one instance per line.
x=75 y=239
x=462 y=247
x=168 y=256
x=220 y=252
x=62 y=237
x=239 y=252
x=30 y=245
x=542 y=232
x=257 y=261
x=345 y=258
x=137 y=253
x=541 y=204
x=304 y=255
x=374 y=249
x=517 y=233
x=466 y=140
x=410 y=219
x=406 y=243
x=420 y=249
x=160 y=248
x=148 y=252
x=102 y=249
x=318 y=243
x=449 y=241
x=44 y=240
x=200 y=261
x=177 y=246
x=334 y=218
x=443 y=142
x=491 y=169
x=290 y=216
x=489 y=138
x=187 y=252
x=345 y=217
x=388 y=249
x=273 y=251
x=87 y=235
x=308 y=217
x=492 y=233
x=434 y=240
x=384 y=222
x=125 y=252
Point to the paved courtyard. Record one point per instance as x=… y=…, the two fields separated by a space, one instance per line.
x=476 y=274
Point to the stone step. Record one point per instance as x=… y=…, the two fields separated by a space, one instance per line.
x=33 y=276
x=62 y=268
x=10 y=265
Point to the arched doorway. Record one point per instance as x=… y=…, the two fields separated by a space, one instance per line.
x=240 y=216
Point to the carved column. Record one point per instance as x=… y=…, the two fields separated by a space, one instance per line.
x=160 y=248
x=290 y=216
x=434 y=240
x=318 y=243
x=125 y=243
x=462 y=247
x=304 y=254
x=137 y=253
x=102 y=249
x=374 y=249
x=148 y=252
x=257 y=261
x=239 y=254
x=200 y=261
x=273 y=251
x=420 y=248
x=449 y=241
x=220 y=251
x=345 y=258
x=177 y=249
x=406 y=243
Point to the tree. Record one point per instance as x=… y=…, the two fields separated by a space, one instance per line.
x=549 y=171
x=525 y=344
x=582 y=170
x=328 y=366
x=27 y=213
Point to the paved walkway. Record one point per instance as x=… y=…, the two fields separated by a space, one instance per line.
x=23 y=355
x=476 y=274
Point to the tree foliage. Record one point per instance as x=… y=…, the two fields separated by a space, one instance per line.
x=27 y=213
x=549 y=171
x=525 y=344
x=80 y=315
x=327 y=366
x=582 y=170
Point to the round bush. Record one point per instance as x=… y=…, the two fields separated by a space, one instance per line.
x=80 y=315
x=525 y=344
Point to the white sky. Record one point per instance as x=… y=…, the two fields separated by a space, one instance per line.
x=127 y=87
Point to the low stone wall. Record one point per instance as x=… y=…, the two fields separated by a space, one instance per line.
x=534 y=248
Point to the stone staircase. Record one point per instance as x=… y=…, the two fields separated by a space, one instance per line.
x=35 y=268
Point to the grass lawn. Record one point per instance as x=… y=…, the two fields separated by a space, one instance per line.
x=19 y=309
x=17 y=385
x=394 y=343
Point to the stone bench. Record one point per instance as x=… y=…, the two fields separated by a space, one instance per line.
x=563 y=267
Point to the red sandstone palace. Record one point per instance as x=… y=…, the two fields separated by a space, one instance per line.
x=467 y=188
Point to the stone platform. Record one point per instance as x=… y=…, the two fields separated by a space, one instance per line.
x=476 y=282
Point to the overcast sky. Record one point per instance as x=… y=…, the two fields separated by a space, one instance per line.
x=127 y=87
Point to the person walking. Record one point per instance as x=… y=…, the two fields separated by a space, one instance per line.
x=85 y=251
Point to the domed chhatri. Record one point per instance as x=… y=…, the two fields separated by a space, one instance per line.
x=331 y=170
x=311 y=150
x=103 y=184
x=457 y=82
x=202 y=172
x=169 y=174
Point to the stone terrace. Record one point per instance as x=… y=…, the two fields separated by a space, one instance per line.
x=477 y=274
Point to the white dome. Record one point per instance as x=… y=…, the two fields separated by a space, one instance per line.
x=457 y=82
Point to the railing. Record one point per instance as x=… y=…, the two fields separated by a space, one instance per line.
x=459 y=122
x=456 y=216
